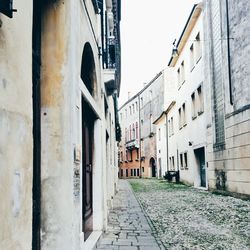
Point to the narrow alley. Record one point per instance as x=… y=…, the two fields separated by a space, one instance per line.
x=179 y=217
x=128 y=228
x=124 y=125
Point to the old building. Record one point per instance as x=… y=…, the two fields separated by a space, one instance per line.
x=227 y=56
x=59 y=82
x=137 y=148
x=183 y=114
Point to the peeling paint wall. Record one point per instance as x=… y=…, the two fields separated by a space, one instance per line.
x=16 y=128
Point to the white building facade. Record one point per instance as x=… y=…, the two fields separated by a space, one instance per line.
x=184 y=106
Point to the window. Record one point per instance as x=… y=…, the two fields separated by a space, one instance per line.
x=141 y=127
x=200 y=99
x=131 y=172
x=182 y=72
x=141 y=102
x=138 y=172
x=179 y=77
x=133 y=131
x=171 y=163
x=136 y=106
x=131 y=155
x=142 y=169
x=121 y=172
x=173 y=166
x=126 y=172
x=137 y=154
x=121 y=156
x=126 y=155
x=150 y=95
x=172 y=125
x=159 y=134
x=184 y=121
x=185 y=163
x=191 y=57
x=198 y=51
x=136 y=130
x=130 y=132
x=151 y=125
x=193 y=103
x=133 y=108
x=130 y=110
x=134 y=172
x=181 y=161
x=180 y=120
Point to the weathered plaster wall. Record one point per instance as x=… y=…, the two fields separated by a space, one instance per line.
x=229 y=167
x=16 y=142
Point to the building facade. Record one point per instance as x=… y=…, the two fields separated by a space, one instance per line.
x=60 y=78
x=227 y=54
x=185 y=140
x=137 y=148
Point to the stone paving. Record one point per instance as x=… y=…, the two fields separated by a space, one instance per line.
x=188 y=218
x=128 y=228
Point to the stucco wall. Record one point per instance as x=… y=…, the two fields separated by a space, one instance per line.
x=16 y=142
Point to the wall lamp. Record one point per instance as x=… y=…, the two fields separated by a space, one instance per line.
x=174 y=50
x=6 y=7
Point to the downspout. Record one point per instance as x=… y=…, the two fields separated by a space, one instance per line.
x=229 y=55
x=166 y=115
x=139 y=107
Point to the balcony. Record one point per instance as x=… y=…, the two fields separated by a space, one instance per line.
x=132 y=144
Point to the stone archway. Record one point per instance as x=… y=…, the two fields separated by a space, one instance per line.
x=88 y=71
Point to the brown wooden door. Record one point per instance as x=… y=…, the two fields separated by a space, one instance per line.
x=87 y=189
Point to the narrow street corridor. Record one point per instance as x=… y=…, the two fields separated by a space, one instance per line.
x=128 y=228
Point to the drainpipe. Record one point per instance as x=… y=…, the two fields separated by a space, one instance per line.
x=229 y=55
x=167 y=137
x=139 y=108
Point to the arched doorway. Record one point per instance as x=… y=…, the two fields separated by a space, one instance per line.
x=88 y=76
x=153 y=167
x=88 y=73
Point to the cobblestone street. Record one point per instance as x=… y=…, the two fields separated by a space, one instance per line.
x=188 y=218
x=128 y=228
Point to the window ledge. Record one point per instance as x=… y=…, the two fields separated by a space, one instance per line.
x=184 y=125
x=200 y=112
x=194 y=117
x=197 y=61
x=191 y=70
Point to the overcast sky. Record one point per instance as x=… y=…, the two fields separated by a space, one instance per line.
x=148 y=29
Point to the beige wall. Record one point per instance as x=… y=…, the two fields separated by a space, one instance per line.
x=16 y=128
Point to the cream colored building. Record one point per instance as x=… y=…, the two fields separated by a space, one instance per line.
x=183 y=114
x=59 y=80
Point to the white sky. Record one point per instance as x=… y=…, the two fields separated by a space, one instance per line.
x=148 y=29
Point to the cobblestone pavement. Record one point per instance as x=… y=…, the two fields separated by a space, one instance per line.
x=128 y=228
x=188 y=218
